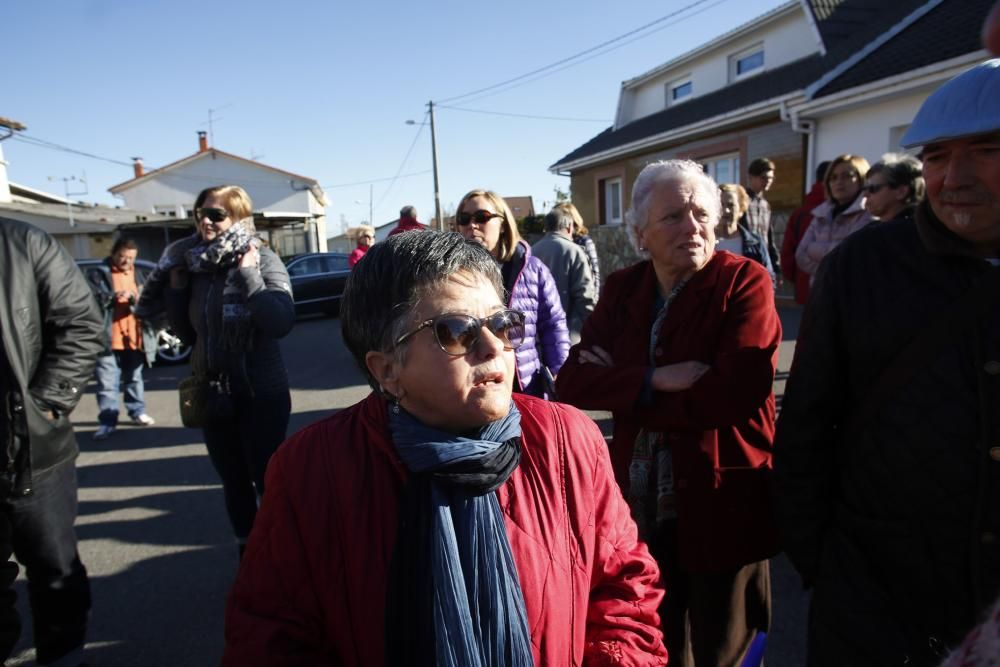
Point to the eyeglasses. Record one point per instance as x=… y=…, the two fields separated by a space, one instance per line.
x=872 y=188
x=457 y=334
x=367 y=236
x=213 y=214
x=480 y=217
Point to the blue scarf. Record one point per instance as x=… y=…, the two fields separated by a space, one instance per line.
x=451 y=524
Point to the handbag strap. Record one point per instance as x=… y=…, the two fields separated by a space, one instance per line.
x=897 y=374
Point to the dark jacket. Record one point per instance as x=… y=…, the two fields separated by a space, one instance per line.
x=896 y=523
x=195 y=313
x=721 y=428
x=755 y=249
x=106 y=300
x=52 y=332
x=311 y=589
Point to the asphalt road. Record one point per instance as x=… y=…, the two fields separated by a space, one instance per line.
x=156 y=541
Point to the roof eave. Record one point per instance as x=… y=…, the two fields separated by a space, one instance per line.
x=747 y=113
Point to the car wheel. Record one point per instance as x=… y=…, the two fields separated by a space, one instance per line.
x=170 y=349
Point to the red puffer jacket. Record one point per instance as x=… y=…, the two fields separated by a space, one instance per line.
x=311 y=589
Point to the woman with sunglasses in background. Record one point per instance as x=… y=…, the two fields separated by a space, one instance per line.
x=232 y=298
x=842 y=214
x=442 y=520
x=483 y=217
x=894 y=186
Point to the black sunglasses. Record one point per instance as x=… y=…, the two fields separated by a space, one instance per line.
x=874 y=187
x=480 y=217
x=213 y=214
x=457 y=334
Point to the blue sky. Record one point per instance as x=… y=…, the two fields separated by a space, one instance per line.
x=324 y=89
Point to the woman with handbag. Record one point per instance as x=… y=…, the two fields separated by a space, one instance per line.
x=233 y=298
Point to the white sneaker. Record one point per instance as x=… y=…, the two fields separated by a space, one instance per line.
x=143 y=420
x=103 y=431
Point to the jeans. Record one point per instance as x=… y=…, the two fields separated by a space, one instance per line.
x=240 y=449
x=124 y=366
x=44 y=542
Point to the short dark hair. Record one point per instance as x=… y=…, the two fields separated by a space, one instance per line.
x=408 y=212
x=901 y=169
x=124 y=243
x=383 y=291
x=760 y=166
x=821 y=170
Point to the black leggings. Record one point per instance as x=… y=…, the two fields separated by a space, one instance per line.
x=240 y=448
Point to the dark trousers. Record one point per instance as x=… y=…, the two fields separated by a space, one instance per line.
x=240 y=449
x=44 y=542
x=710 y=619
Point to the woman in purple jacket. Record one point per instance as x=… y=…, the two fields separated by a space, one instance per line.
x=484 y=218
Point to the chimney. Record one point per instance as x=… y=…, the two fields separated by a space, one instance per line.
x=137 y=167
x=202 y=141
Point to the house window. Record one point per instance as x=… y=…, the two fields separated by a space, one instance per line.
x=746 y=62
x=723 y=168
x=611 y=190
x=679 y=91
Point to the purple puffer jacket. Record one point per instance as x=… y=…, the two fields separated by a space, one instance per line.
x=535 y=294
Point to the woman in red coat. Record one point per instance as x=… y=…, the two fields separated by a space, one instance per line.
x=682 y=349
x=366 y=237
x=441 y=521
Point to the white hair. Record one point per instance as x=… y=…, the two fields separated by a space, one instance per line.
x=667 y=172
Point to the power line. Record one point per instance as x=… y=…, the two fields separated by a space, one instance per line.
x=522 y=115
x=420 y=127
x=42 y=143
x=375 y=180
x=575 y=56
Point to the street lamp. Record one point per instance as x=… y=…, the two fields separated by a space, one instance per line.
x=439 y=222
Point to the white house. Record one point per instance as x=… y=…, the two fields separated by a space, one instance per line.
x=803 y=83
x=289 y=209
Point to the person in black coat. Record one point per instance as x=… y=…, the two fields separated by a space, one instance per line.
x=52 y=331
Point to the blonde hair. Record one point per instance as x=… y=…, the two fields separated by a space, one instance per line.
x=509 y=236
x=578 y=227
x=356 y=232
x=235 y=200
x=742 y=198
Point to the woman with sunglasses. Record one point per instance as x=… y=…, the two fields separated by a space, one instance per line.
x=366 y=237
x=233 y=298
x=442 y=520
x=842 y=214
x=682 y=349
x=484 y=218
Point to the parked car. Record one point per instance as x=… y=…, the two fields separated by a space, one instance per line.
x=170 y=349
x=318 y=280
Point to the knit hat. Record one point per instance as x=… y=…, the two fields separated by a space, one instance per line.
x=967 y=105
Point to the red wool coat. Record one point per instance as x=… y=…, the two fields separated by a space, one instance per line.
x=312 y=585
x=721 y=429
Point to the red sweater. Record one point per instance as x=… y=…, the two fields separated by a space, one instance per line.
x=798 y=223
x=312 y=585
x=721 y=429
x=406 y=225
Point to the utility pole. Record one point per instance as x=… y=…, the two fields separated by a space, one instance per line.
x=439 y=222
x=371 y=205
x=66 y=181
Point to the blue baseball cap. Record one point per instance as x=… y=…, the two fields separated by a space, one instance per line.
x=967 y=105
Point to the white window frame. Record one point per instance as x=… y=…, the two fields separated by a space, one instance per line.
x=710 y=164
x=609 y=214
x=734 y=59
x=674 y=85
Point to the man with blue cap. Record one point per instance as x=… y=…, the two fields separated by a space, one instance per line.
x=887 y=453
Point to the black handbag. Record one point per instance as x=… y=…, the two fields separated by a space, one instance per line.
x=204 y=400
